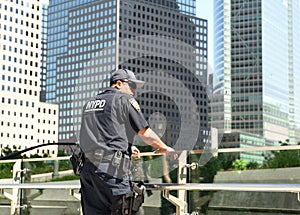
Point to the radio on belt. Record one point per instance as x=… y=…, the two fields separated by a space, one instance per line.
x=116 y=161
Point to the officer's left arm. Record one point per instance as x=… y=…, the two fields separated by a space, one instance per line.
x=140 y=125
x=152 y=139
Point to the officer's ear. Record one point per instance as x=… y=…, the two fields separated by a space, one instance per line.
x=118 y=84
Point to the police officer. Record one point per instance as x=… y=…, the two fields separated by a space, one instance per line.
x=109 y=123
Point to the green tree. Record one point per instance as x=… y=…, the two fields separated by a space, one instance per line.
x=35 y=167
x=283 y=159
x=253 y=165
x=5 y=168
x=240 y=164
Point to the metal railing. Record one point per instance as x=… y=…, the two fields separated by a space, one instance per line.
x=182 y=185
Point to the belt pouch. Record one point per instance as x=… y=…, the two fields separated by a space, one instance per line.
x=98 y=156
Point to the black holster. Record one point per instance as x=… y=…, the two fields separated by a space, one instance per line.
x=138 y=190
x=131 y=202
x=77 y=159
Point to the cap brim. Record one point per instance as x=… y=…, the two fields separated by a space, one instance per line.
x=138 y=83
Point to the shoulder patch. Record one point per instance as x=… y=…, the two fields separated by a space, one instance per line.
x=135 y=104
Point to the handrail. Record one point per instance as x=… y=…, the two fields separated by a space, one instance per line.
x=50 y=185
x=257 y=187
x=227 y=150
x=36 y=159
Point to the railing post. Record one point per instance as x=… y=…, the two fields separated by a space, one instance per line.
x=55 y=169
x=14 y=209
x=180 y=201
x=182 y=174
x=182 y=179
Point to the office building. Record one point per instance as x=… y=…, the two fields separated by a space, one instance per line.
x=257 y=69
x=161 y=41
x=25 y=121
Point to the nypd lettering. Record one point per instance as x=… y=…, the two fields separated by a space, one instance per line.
x=95 y=105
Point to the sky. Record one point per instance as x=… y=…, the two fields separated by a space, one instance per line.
x=205 y=11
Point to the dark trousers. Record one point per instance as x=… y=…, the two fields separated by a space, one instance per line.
x=100 y=190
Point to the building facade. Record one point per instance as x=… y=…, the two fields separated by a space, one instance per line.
x=256 y=70
x=25 y=121
x=161 y=41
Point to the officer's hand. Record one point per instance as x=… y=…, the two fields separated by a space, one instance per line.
x=135 y=152
x=164 y=150
x=171 y=153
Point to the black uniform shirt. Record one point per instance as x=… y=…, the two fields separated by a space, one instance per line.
x=110 y=121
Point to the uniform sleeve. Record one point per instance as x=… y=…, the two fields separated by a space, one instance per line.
x=135 y=117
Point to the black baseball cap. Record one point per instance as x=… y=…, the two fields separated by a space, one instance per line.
x=125 y=75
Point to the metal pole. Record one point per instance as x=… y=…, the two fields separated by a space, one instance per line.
x=55 y=169
x=15 y=191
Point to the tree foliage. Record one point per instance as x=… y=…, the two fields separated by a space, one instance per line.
x=36 y=167
x=240 y=164
x=6 y=168
x=282 y=159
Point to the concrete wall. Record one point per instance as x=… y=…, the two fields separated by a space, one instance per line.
x=258 y=203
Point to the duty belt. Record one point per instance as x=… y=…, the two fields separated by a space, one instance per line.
x=102 y=156
x=112 y=163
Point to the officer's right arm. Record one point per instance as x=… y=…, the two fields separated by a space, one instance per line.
x=151 y=138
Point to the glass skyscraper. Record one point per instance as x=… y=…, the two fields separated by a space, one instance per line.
x=161 y=41
x=256 y=71
x=77 y=32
